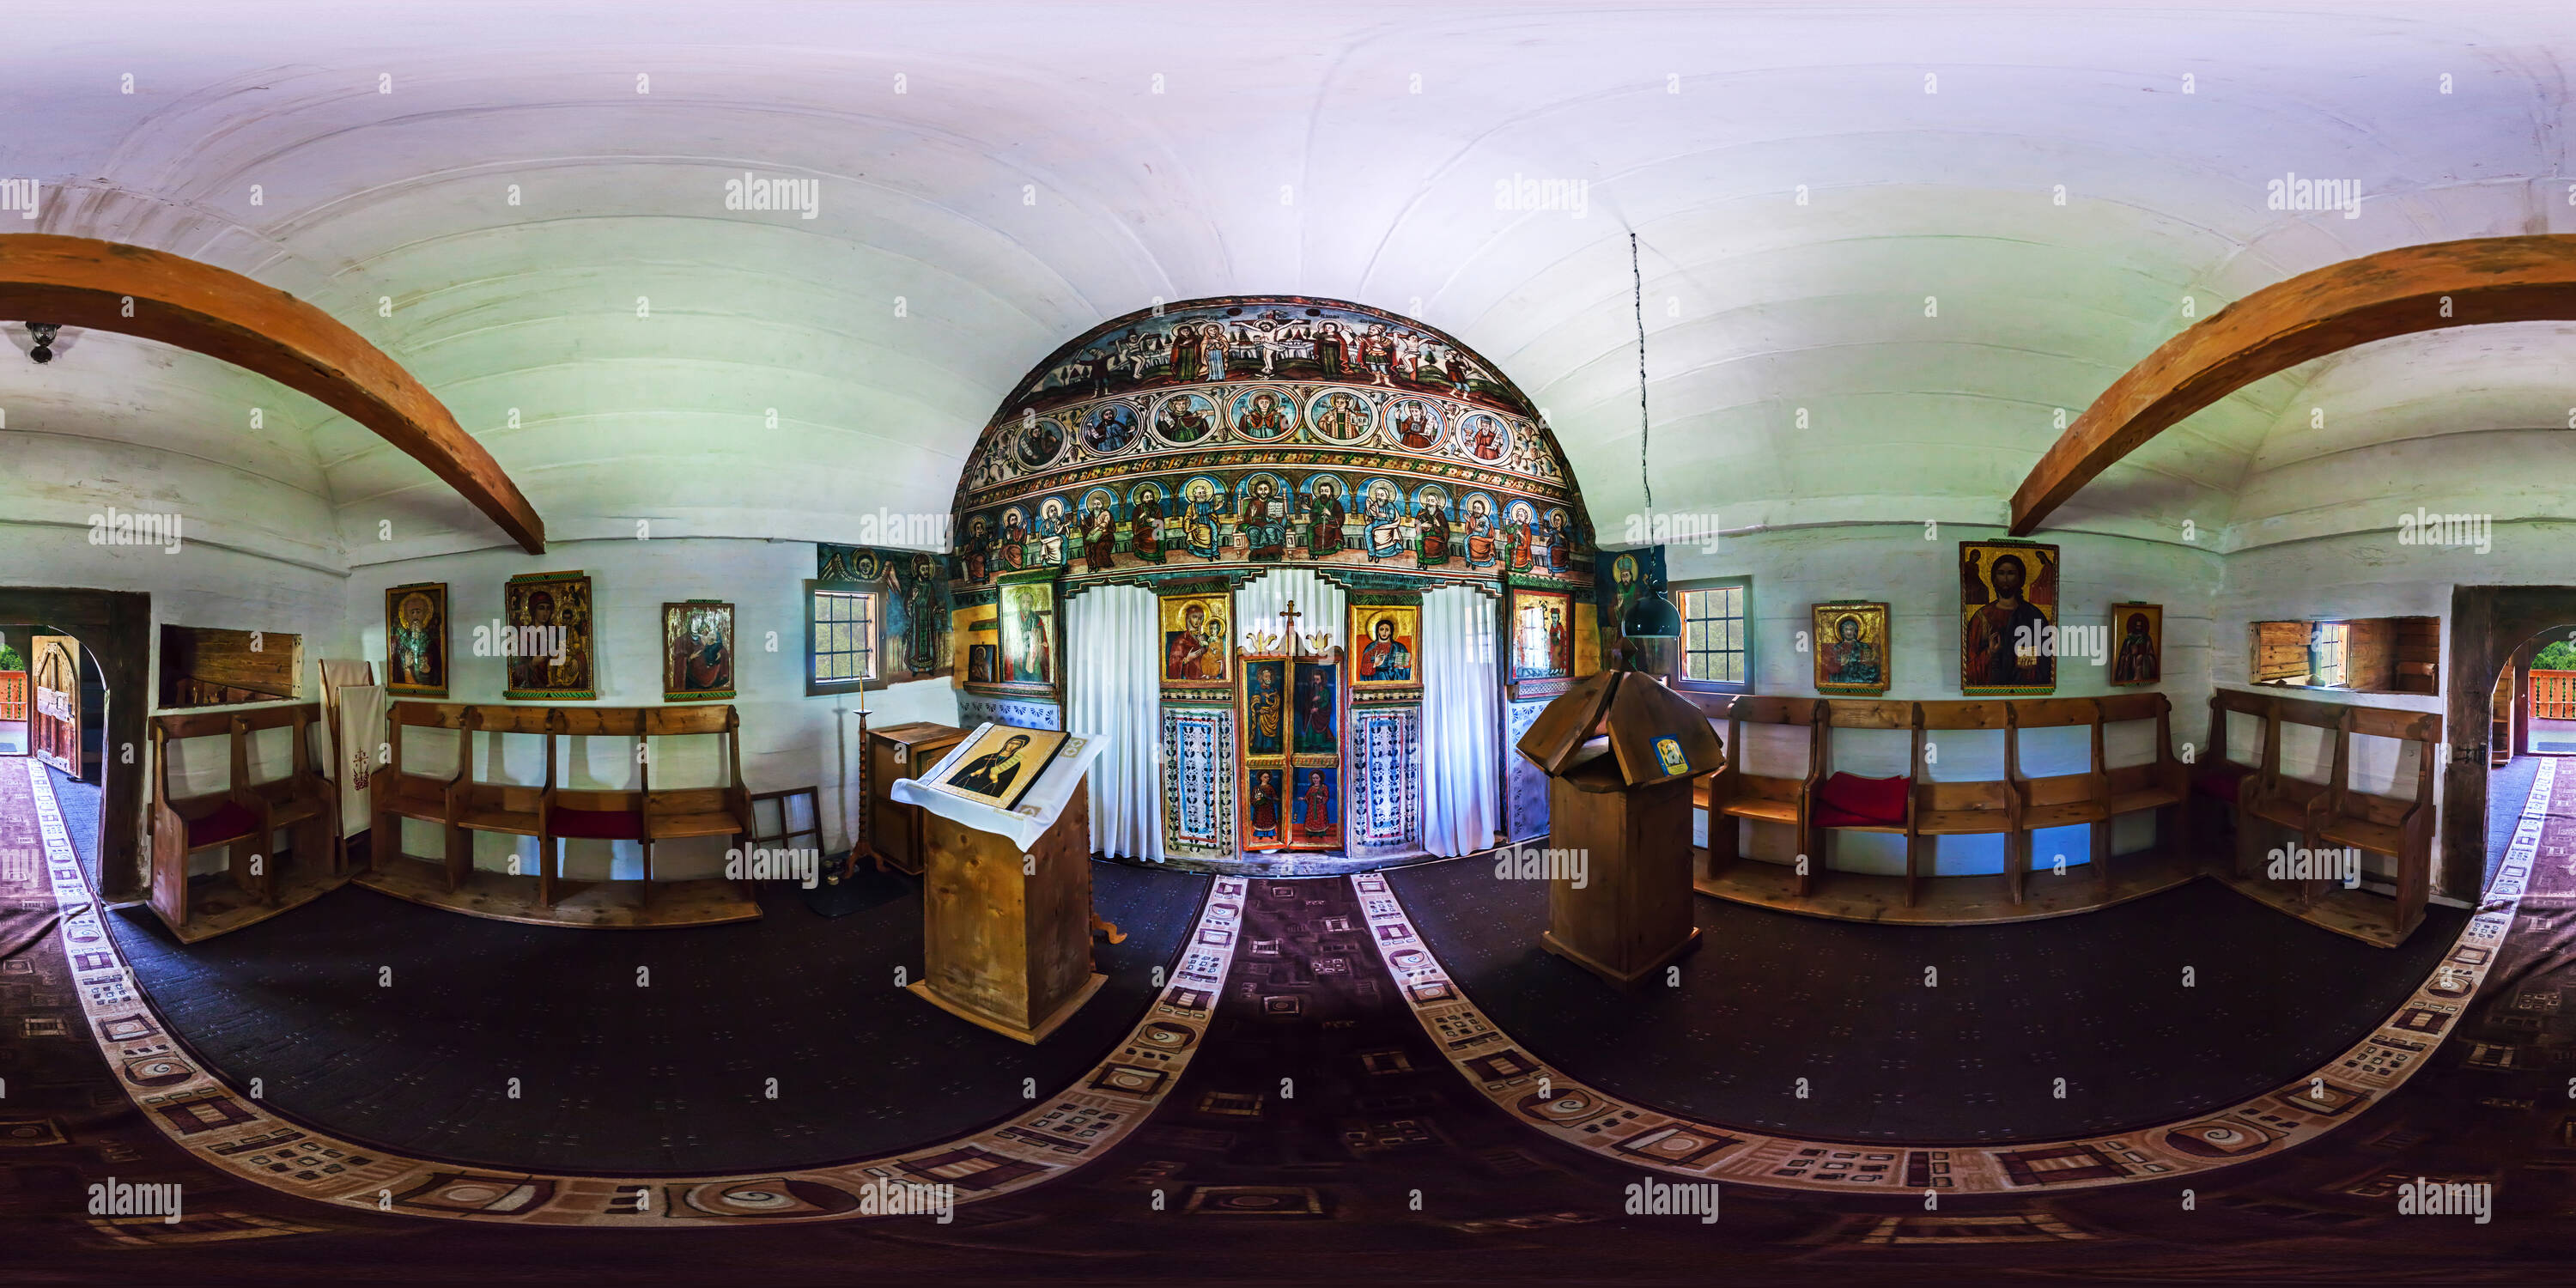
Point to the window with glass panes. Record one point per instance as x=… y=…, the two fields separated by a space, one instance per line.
x=845 y=637
x=1715 y=648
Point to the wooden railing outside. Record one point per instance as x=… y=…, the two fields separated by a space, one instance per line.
x=13 y=695
x=2553 y=695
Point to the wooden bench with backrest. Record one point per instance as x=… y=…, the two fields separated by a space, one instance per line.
x=2220 y=778
x=674 y=812
x=2270 y=796
x=1839 y=801
x=2081 y=798
x=1972 y=807
x=245 y=815
x=1733 y=794
x=2400 y=827
x=2162 y=784
x=592 y=814
x=397 y=791
x=511 y=809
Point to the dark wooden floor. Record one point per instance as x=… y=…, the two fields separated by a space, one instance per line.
x=611 y=1075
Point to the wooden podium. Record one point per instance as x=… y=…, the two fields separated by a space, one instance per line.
x=1005 y=949
x=1620 y=751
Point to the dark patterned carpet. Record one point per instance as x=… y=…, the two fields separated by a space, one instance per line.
x=1772 y=999
x=611 y=1076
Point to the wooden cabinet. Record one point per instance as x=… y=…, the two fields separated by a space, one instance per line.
x=897 y=832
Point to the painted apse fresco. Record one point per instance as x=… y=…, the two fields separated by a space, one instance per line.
x=1195 y=448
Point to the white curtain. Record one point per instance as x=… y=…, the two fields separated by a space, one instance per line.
x=1113 y=687
x=1321 y=606
x=1462 y=750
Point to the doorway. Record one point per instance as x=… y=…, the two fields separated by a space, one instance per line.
x=84 y=717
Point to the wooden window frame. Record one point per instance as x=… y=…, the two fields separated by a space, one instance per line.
x=1679 y=675
x=814 y=592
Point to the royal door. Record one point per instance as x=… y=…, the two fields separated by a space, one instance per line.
x=53 y=715
x=1291 y=710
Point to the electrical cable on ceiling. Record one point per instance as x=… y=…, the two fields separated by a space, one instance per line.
x=1637 y=280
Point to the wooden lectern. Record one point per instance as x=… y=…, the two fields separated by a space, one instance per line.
x=1003 y=948
x=1620 y=751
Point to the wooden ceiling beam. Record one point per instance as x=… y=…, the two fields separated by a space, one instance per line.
x=110 y=286
x=2432 y=287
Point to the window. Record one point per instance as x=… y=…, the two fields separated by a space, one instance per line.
x=840 y=640
x=1716 y=653
x=2325 y=654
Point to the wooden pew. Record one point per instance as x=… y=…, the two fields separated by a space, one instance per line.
x=2059 y=800
x=1826 y=809
x=722 y=810
x=397 y=793
x=2293 y=803
x=1732 y=794
x=1990 y=807
x=509 y=808
x=2398 y=826
x=243 y=818
x=2219 y=778
x=2162 y=785
x=592 y=814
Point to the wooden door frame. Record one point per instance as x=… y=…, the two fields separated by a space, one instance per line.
x=114 y=628
x=2489 y=627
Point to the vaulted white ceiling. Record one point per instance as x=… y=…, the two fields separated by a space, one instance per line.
x=1923 y=229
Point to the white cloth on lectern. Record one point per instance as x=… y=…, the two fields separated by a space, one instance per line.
x=1036 y=811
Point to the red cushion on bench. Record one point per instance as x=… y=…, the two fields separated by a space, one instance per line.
x=230 y=822
x=1848 y=800
x=2221 y=783
x=599 y=824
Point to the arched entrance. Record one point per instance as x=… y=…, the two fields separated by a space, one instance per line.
x=108 y=653
x=2496 y=634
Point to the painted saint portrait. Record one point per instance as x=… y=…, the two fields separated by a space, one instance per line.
x=1264 y=803
x=1850 y=647
x=1263 y=414
x=416 y=640
x=1183 y=419
x=1416 y=424
x=697 y=651
x=2137 y=643
x=1326 y=513
x=1542 y=634
x=980 y=663
x=1195 y=639
x=548 y=641
x=1040 y=442
x=1027 y=613
x=1318 y=716
x=1265 y=708
x=1313 y=807
x=1339 y=416
x=1000 y=764
x=1109 y=428
x=1383 y=638
x=2008 y=610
